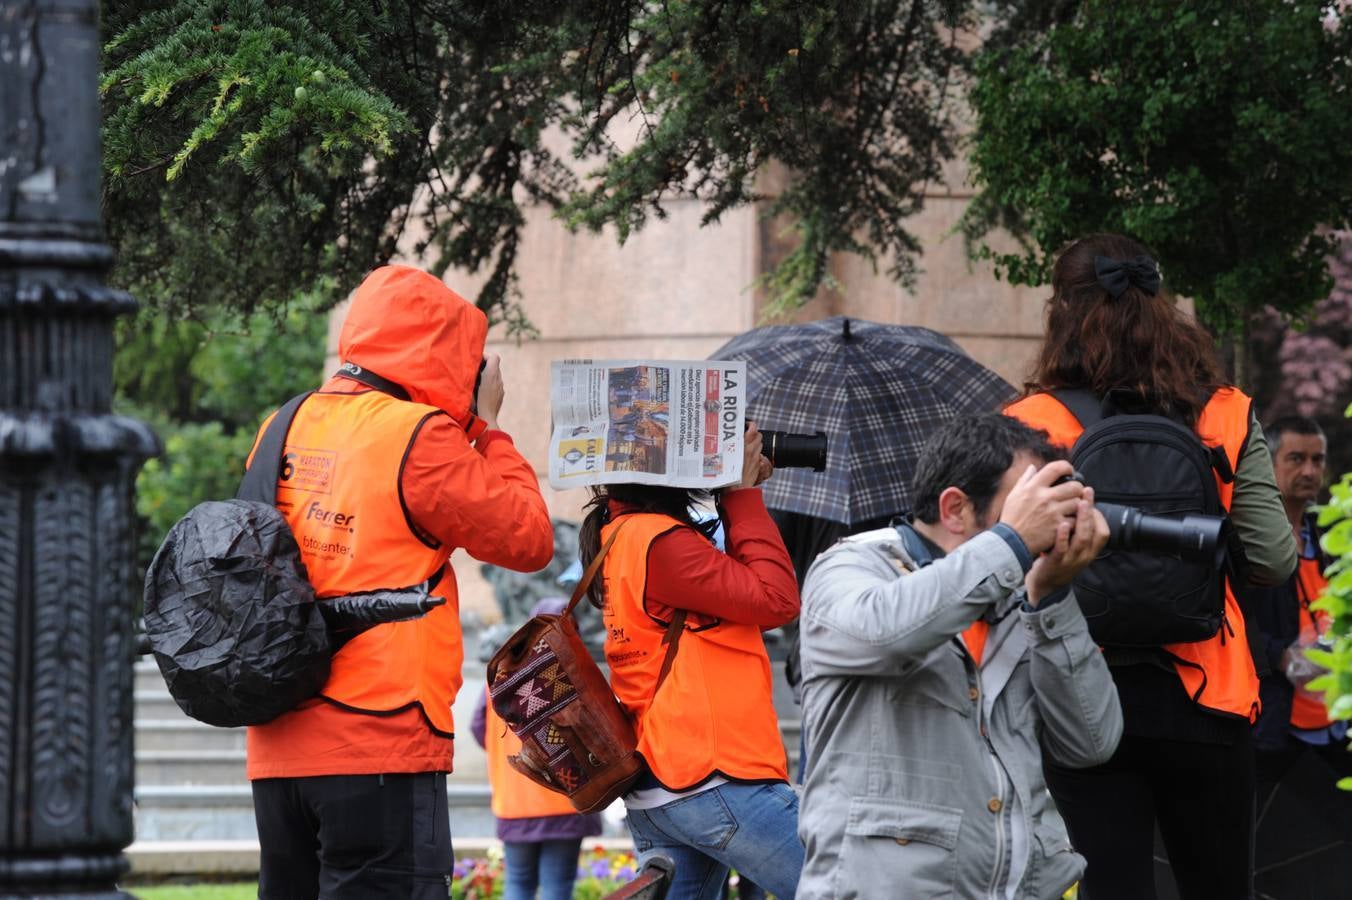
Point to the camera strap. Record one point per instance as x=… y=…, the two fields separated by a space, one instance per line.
x=371 y=379
x=473 y=425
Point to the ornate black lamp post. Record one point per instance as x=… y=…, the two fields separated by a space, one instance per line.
x=66 y=474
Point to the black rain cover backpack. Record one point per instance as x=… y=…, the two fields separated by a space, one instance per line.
x=1161 y=467
x=229 y=611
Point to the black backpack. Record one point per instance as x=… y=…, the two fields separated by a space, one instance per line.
x=1160 y=466
x=229 y=611
x=230 y=614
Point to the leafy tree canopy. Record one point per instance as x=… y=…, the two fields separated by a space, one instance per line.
x=1217 y=132
x=205 y=387
x=252 y=146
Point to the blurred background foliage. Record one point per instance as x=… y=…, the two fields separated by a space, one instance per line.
x=205 y=386
x=1217 y=132
x=271 y=142
x=291 y=146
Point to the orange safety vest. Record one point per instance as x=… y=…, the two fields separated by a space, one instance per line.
x=715 y=712
x=339 y=490
x=1218 y=673
x=514 y=795
x=1308 y=710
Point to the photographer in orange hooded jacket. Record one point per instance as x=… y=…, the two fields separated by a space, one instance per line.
x=392 y=464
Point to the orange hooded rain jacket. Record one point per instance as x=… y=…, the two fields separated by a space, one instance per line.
x=379 y=491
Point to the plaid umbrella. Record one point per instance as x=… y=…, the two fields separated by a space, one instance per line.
x=878 y=391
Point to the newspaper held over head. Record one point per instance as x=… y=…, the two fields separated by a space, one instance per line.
x=677 y=423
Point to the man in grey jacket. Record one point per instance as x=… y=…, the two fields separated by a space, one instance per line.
x=941 y=658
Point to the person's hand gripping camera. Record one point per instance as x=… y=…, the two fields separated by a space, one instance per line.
x=1055 y=517
x=489 y=390
x=756 y=468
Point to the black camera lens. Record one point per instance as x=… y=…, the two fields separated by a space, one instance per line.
x=802 y=451
x=1195 y=538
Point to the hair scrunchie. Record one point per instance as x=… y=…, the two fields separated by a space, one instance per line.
x=1116 y=276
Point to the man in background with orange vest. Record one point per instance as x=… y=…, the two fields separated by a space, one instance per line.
x=1295 y=719
x=392 y=464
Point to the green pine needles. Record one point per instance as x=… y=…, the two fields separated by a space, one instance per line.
x=252 y=147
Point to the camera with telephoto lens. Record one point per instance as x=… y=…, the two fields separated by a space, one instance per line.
x=801 y=451
x=1194 y=537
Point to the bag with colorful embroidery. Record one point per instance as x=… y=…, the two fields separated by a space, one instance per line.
x=576 y=738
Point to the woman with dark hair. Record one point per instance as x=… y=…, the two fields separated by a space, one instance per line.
x=1185 y=761
x=715 y=792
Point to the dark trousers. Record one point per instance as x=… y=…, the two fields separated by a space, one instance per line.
x=1200 y=794
x=354 y=836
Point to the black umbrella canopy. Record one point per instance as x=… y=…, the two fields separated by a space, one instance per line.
x=877 y=390
x=1303 y=834
x=1302 y=837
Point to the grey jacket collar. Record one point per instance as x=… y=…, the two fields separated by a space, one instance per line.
x=921 y=551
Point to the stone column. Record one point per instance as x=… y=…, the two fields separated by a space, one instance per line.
x=67 y=467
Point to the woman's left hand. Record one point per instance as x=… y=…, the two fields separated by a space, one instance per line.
x=755 y=467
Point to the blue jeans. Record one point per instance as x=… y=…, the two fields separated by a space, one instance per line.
x=752 y=828
x=552 y=865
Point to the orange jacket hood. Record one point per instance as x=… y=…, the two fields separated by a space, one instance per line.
x=407 y=326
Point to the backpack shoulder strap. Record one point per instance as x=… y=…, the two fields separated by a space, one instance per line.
x=260 y=479
x=1311 y=521
x=1083 y=404
x=673 y=636
x=592 y=568
x=1220 y=462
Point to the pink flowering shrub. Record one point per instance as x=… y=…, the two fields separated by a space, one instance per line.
x=1313 y=359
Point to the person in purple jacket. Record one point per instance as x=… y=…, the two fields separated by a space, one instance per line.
x=540 y=832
